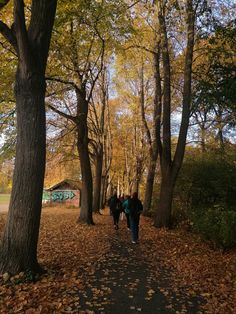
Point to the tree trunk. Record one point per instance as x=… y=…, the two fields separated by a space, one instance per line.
x=203 y=138
x=86 y=209
x=155 y=144
x=98 y=180
x=138 y=175
x=220 y=126
x=149 y=184
x=169 y=168
x=136 y=186
x=87 y=182
x=98 y=192
x=164 y=209
x=103 y=192
x=163 y=219
x=19 y=249
x=19 y=245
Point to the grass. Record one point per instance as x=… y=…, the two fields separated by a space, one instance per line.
x=4 y=198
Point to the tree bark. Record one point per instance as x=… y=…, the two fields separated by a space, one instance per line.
x=86 y=209
x=155 y=144
x=98 y=180
x=103 y=192
x=163 y=219
x=19 y=245
x=19 y=249
x=87 y=185
x=138 y=174
x=203 y=138
x=149 y=185
x=99 y=155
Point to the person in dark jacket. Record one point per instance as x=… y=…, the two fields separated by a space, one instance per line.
x=136 y=208
x=115 y=208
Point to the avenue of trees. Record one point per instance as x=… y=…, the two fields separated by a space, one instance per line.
x=125 y=96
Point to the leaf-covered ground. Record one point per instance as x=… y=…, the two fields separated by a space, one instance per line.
x=95 y=269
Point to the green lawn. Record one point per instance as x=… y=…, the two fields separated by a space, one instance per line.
x=4 y=198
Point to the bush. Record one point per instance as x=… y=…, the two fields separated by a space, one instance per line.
x=205 y=195
x=217 y=225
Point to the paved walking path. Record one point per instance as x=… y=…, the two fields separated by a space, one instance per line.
x=122 y=282
x=81 y=279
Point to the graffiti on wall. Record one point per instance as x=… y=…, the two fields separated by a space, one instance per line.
x=46 y=196
x=60 y=196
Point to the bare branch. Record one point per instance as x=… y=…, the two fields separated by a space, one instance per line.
x=67 y=116
x=73 y=84
x=141 y=47
x=8 y=34
x=59 y=80
x=8 y=47
x=100 y=70
x=133 y=4
x=21 y=35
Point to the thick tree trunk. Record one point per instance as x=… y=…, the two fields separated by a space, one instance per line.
x=163 y=218
x=86 y=209
x=19 y=249
x=149 y=184
x=31 y=43
x=87 y=184
x=98 y=180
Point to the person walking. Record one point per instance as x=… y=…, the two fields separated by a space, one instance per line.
x=136 y=208
x=115 y=208
x=126 y=208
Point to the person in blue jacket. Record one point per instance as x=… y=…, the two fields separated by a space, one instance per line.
x=126 y=208
x=136 y=208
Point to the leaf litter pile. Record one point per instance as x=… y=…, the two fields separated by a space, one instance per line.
x=96 y=269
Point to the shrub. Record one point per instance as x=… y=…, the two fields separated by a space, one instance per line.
x=205 y=196
x=217 y=225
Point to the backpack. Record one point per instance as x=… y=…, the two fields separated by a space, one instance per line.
x=127 y=205
x=115 y=204
x=136 y=207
